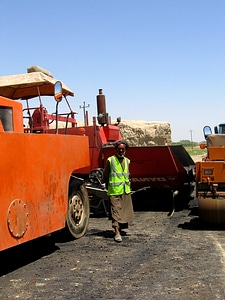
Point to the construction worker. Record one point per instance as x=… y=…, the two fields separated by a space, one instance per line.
x=116 y=177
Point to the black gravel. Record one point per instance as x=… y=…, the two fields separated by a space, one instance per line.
x=161 y=258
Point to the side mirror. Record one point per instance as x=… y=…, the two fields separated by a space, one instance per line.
x=216 y=130
x=58 y=91
x=207 y=130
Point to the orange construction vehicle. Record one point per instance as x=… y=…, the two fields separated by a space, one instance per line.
x=210 y=179
x=39 y=193
x=164 y=168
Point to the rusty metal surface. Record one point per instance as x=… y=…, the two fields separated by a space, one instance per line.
x=17 y=218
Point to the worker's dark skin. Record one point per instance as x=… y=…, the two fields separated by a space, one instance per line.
x=120 y=151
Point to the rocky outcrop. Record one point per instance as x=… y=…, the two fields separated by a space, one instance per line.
x=143 y=133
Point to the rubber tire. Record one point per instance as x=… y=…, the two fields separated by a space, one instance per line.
x=78 y=211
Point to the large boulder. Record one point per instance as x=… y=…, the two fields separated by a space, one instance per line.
x=143 y=133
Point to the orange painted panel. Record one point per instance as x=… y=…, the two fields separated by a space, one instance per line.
x=216 y=153
x=17 y=117
x=216 y=169
x=34 y=177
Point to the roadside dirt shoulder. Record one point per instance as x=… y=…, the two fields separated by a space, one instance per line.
x=197 y=157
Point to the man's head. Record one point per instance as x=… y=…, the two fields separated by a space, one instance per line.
x=121 y=147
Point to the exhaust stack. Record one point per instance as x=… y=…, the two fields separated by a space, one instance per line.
x=101 y=107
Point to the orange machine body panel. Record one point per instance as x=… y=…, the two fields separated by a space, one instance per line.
x=35 y=174
x=210 y=171
x=216 y=153
x=35 y=171
x=210 y=179
x=17 y=120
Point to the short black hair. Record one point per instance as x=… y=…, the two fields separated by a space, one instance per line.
x=121 y=142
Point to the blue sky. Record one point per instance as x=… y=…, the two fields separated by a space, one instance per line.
x=156 y=60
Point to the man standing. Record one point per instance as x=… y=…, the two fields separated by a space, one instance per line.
x=116 y=176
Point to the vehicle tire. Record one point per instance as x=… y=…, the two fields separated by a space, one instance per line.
x=78 y=211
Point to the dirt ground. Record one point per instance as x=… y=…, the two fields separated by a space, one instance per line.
x=163 y=257
x=198 y=158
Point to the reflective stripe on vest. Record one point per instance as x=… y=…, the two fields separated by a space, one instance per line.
x=118 y=178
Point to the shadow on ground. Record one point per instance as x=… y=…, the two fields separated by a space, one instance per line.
x=197 y=224
x=19 y=256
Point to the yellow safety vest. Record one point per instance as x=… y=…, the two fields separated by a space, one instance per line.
x=118 y=178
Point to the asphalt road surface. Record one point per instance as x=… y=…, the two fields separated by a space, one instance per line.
x=163 y=257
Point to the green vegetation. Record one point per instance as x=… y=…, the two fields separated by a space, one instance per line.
x=187 y=143
x=195 y=151
x=193 y=148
